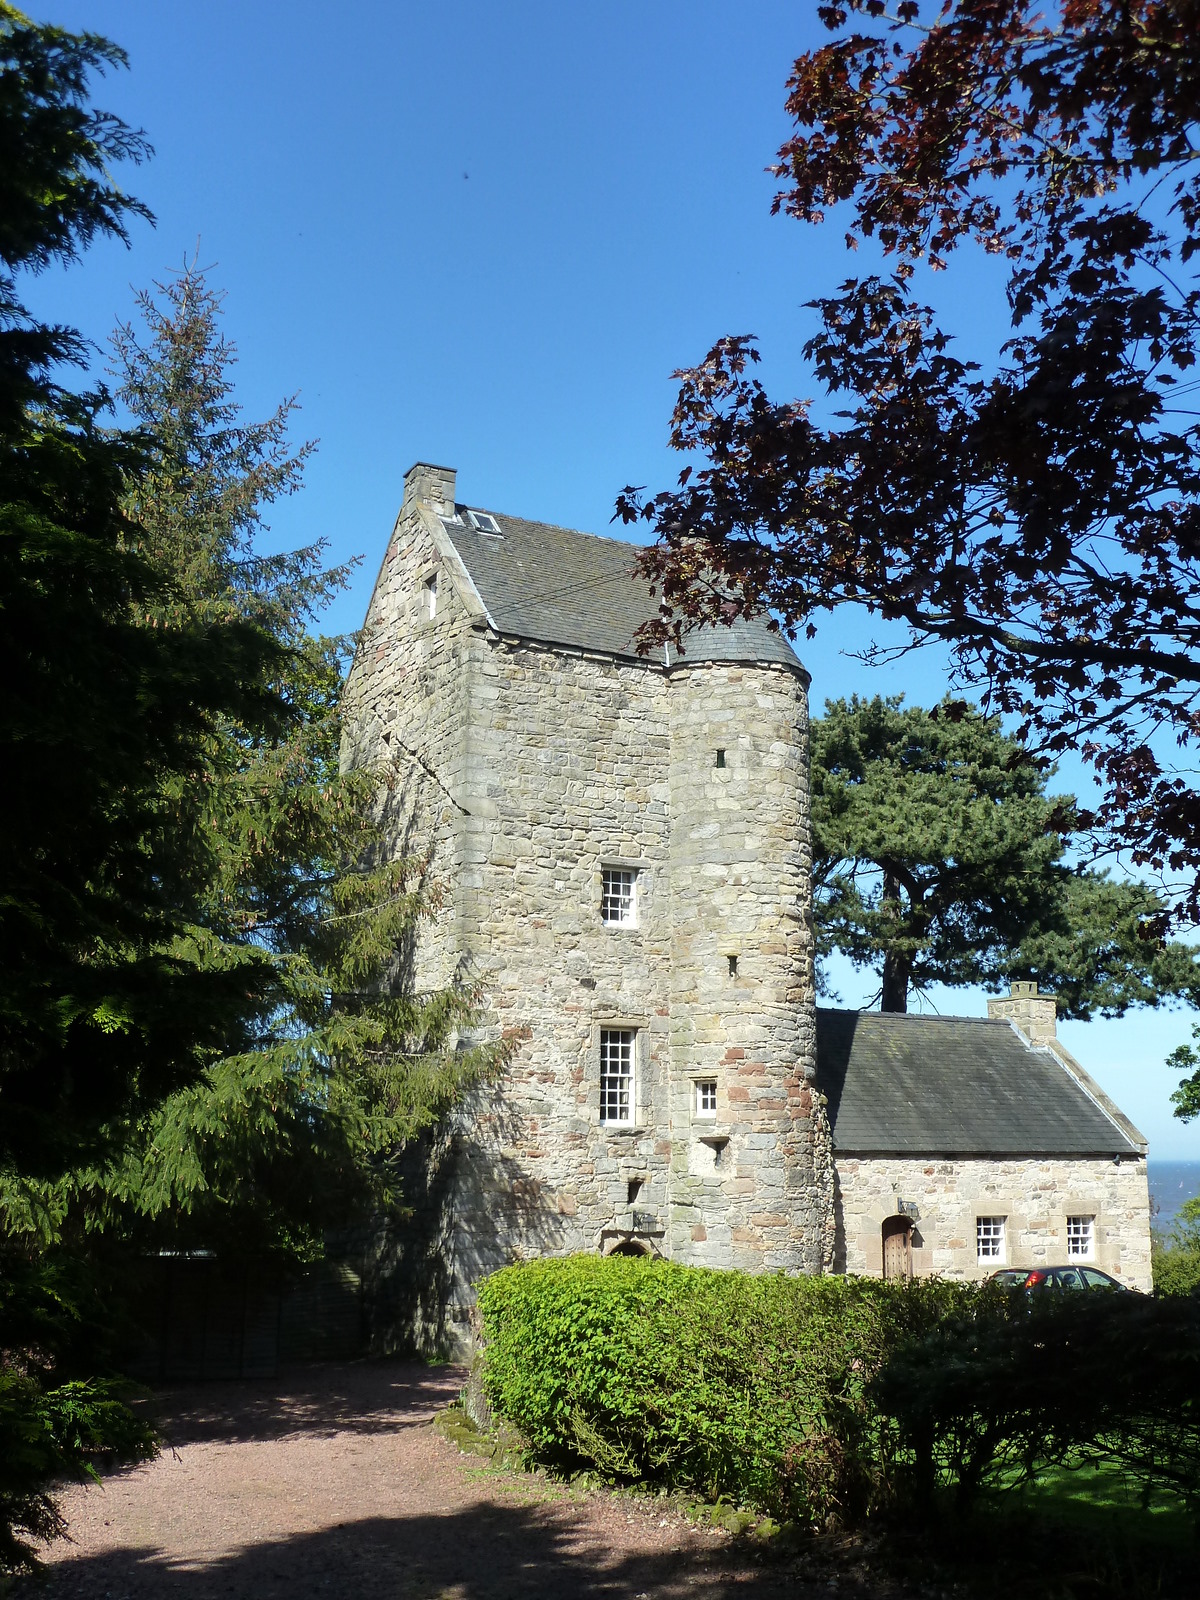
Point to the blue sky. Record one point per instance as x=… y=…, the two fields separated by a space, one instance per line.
x=485 y=236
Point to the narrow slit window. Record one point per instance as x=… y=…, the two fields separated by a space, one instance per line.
x=632 y=1190
x=706 y=1097
x=1081 y=1238
x=720 y=758
x=732 y=966
x=616 y=1074
x=429 y=597
x=989 y=1240
x=618 y=897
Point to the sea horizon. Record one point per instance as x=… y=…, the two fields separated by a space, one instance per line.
x=1172 y=1184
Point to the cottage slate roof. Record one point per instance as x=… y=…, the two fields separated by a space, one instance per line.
x=899 y=1084
x=576 y=589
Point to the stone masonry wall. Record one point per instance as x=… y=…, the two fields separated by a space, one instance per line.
x=567 y=770
x=524 y=770
x=741 y=972
x=1034 y=1194
x=579 y=762
x=405 y=712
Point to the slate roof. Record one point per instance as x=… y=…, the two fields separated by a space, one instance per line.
x=562 y=587
x=916 y=1085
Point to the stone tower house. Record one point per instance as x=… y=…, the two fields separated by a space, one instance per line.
x=623 y=846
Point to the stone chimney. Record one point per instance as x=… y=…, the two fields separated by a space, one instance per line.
x=1032 y=1013
x=432 y=486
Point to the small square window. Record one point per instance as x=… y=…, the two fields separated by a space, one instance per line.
x=706 y=1097
x=989 y=1239
x=616 y=1074
x=618 y=896
x=485 y=523
x=1081 y=1238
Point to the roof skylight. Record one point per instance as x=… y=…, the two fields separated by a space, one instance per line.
x=485 y=523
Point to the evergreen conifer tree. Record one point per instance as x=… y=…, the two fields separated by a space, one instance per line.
x=940 y=858
x=111 y=698
x=107 y=719
x=329 y=1061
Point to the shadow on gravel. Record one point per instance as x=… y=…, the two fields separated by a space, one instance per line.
x=358 y=1397
x=484 y=1553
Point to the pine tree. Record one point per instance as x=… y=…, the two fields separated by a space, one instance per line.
x=940 y=858
x=329 y=1062
x=107 y=720
x=1185 y=1058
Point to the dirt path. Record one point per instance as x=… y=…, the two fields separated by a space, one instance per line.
x=333 y=1482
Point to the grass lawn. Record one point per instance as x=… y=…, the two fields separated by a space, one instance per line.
x=1077 y=1533
x=1102 y=1502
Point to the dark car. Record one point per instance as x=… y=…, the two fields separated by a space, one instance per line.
x=1055 y=1278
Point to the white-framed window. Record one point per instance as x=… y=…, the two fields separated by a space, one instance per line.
x=618 y=896
x=1081 y=1238
x=616 y=1074
x=989 y=1239
x=429 y=597
x=706 y=1097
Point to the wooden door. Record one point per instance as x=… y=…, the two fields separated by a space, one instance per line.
x=897 y=1248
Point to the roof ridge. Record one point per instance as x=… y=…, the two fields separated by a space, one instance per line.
x=911 y=1016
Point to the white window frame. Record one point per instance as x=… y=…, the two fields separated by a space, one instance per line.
x=429 y=596
x=619 y=896
x=618 y=1076
x=991 y=1241
x=1081 y=1237
x=704 y=1105
x=485 y=523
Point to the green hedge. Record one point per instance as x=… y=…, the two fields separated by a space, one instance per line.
x=1016 y=1383
x=825 y=1399
x=721 y=1383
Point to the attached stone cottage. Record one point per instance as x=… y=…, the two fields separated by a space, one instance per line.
x=964 y=1144
x=623 y=843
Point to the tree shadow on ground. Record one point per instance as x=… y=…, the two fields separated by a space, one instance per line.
x=349 y=1397
x=486 y=1552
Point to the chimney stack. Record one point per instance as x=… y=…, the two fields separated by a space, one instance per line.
x=432 y=486
x=1030 y=1012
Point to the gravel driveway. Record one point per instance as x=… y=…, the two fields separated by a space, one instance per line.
x=332 y=1481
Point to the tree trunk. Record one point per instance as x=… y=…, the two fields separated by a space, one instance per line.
x=896 y=967
x=895 y=983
